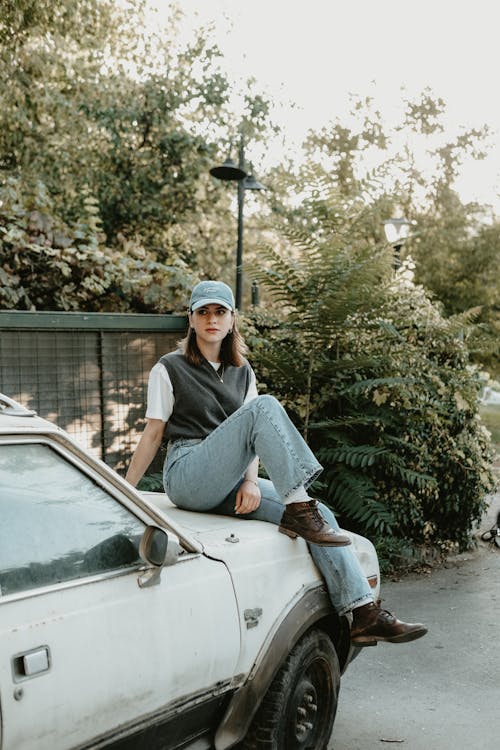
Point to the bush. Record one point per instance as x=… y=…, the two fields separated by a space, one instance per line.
x=151 y=483
x=376 y=378
x=46 y=264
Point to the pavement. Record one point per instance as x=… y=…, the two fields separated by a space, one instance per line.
x=441 y=692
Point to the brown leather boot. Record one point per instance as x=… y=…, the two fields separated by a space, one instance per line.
x=372 y=624
x=305 y=520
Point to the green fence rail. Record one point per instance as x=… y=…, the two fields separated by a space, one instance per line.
x=86 y=371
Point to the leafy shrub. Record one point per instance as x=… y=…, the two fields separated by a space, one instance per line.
x=46 y=264
x=397 y=555
x=151 y=482
x=376 y=378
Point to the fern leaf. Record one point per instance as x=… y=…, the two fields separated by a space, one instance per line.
x=354 y=496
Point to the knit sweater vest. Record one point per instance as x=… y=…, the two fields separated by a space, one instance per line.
x=202 y=400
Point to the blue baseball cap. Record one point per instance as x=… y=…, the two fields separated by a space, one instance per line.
x=211 y=293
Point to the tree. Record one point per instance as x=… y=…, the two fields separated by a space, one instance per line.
x=50 y=56
x=109 y=107
x=454 y=244
x=98 y=112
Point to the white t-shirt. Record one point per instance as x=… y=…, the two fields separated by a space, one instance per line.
x=161 y=394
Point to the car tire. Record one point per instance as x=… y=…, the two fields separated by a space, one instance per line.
x=298 y=710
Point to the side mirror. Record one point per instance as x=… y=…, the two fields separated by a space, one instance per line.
x=154 y=550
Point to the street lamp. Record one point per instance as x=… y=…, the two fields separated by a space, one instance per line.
x=396 y=232
x=230 y=172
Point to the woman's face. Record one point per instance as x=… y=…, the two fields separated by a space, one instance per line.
x=211 y=323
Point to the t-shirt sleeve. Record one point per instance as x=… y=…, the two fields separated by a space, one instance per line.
x=160 y=394
x=252 y=388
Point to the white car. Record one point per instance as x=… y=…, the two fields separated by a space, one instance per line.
x=128 y=623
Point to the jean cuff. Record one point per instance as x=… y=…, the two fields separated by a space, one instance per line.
x=360 y=602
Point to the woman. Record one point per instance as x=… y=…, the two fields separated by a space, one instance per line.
x=204 y=399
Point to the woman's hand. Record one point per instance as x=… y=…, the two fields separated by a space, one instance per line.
x=247 y=497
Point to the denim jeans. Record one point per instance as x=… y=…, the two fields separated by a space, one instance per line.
x=204 y=475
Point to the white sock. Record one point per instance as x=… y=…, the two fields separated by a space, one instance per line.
x=297 y=496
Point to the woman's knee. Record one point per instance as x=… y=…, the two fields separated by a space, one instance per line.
x=268 y=403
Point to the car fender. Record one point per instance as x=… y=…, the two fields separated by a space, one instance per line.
x=313 y=606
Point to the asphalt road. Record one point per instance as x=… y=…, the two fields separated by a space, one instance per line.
x=443 y=691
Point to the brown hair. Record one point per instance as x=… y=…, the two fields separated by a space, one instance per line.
x=232 y=351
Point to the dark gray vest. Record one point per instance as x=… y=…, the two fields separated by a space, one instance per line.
x=202 y=401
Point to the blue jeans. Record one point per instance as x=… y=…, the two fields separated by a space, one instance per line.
x=204 y=475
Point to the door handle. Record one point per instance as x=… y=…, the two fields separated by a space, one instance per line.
x=31 y=663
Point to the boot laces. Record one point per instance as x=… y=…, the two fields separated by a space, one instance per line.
x=316 y=516
x=386 y=614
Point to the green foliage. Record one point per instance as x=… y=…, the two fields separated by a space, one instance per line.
x=398 y=556
x=46 y=264
x=20 y=20
x=465 y=269
x=94 y=106
x=455 y=245
x=151 y=483
x=373 y=374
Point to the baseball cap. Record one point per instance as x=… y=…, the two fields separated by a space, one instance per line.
x=211 y=293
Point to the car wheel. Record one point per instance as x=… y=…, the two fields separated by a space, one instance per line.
x=298 y=711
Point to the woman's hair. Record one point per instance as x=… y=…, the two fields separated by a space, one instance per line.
x=232 y=351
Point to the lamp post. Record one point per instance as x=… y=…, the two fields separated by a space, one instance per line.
x=230 y=172
x=396 y=232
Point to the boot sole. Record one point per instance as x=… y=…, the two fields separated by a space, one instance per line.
x=294 y=535
x=403 y=638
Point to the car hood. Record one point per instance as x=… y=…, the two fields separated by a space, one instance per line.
x=220 y=536
x=209 y=528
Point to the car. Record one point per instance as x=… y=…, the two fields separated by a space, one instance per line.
x=128 y=623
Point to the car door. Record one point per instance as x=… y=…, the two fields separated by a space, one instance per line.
x=87 y=656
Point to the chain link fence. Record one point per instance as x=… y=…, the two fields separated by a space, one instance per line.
x=87 y=372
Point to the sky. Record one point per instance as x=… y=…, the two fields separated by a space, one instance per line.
x=316 y=53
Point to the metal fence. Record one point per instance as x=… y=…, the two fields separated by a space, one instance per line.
x=87 y=372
